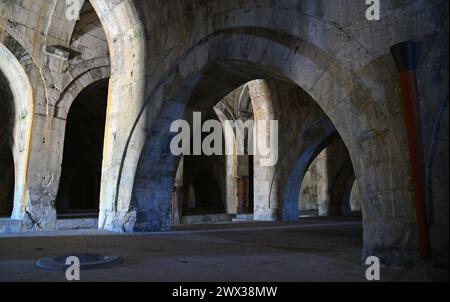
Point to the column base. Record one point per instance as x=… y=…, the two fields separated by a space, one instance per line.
x=266 y=215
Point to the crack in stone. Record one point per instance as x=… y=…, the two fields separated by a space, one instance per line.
x=34 y=222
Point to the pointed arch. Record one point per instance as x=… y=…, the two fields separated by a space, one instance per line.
x=23 y=118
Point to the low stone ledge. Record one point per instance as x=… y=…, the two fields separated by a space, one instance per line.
x=8 y=226
x=77 y=224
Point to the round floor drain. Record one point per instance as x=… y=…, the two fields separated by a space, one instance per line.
x=87 y=262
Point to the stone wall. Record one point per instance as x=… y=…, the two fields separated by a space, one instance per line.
x=355 y=199
x=320 y=178
x=166 y=56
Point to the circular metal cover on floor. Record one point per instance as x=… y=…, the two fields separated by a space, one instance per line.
x=87 y=262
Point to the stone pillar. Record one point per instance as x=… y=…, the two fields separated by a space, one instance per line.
x=321 y=178
x=355 y=198
x=177 y=197
x=266 y=197
x=231 y=184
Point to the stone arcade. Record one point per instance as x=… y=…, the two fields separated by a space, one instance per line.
x=87 y=103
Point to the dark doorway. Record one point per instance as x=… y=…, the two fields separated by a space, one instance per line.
x=207 y=194
x=6 y=182
x=251 y=182
x=79 y=189
x=7 y=173
x=245 y=188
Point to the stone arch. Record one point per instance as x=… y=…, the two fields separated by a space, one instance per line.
x=83 y=78
x=60 y=29
x=350 y=206
x=310 y=143
x=57 y=79
x=79 y=183
x=32 y=216
x=355 y=198
x=245 y=100
x=31 y=68
x=22 y=93
x=236 y=67
x=340 y=190
x=351 y=103
x=324 y=185
x=225 y=113
x=6 y=141
x=262 y=108
x=66 y=41
x=125 y=34
x=19 y=32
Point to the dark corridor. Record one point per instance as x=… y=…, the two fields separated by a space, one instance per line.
x=79 y=189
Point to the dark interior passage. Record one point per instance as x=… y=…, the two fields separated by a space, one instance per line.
x=327 y=183
x=207 y=191
x=79 y=189
x=203 y=179
x=6 y=182
x=251 y=185
x=6 y=140
x=246 y=187
x=203 y=194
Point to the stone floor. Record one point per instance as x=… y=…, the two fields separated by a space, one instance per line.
x=315 y=249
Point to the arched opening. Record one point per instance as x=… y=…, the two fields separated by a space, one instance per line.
x=79 y=188
x=354 y=199
x=200 y=80
x=16 y=115
x=7 y=173
x=228 y=178
x=327 y=183
x=6 y=181
x=248 y=190
x=237 y=107
x=206 y=193
x=311 y=45
x=199 y=191
x=274 y=98
x=240 y=101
